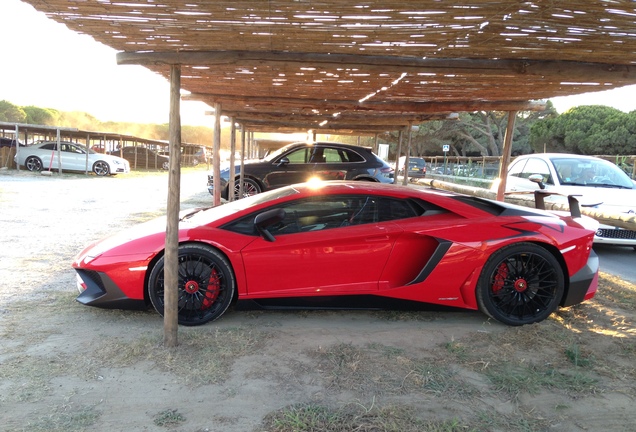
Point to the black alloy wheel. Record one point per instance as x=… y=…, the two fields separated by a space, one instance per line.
x=206 y=285
x=520 y=284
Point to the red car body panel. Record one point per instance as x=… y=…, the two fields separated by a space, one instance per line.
x=433 y=259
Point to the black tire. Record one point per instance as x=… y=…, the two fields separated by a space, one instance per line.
x=101 y=168
x=165 y=166
x=250 y=187
x=520 y=284
x=206 y=285
x=33 y=163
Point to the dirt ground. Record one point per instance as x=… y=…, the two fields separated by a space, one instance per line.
x=65 y=366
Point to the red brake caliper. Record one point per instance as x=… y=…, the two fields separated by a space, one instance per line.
x=500 y=277
x=213 y=290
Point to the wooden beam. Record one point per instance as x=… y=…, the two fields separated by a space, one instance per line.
x=171 y=259
x=505 y=159
x=570 y=70
x=274 y=104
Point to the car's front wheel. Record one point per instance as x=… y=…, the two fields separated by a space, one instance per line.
x=166 y=166
x=520 y=284
x=33 y=163
x=101 y=168
x=205 y=285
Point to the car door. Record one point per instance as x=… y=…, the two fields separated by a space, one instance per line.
x=73 y=157
x=325 y=246
x=328 y=163
x=291 y=167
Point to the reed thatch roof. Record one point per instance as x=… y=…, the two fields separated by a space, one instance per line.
x=366 y=65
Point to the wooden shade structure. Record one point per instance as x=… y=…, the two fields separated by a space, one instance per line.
x=368 y=66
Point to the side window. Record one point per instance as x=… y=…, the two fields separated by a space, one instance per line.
x=298 y=156
x=516 y=168
x=537 y=166
x=350 y=156
x=50 y=146
x=332 y=155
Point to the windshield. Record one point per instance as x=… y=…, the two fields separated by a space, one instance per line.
x=218 y=212
x=590 y=172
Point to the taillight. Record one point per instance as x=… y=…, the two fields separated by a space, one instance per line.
x=386 y=170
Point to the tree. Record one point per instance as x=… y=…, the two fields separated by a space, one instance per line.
x=41 y=116
x=480 y=132
x=11 y=113
x=591 y=129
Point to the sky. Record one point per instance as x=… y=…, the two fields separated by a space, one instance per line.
x=49 y=66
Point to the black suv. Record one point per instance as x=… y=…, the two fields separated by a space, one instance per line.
x=300 y=162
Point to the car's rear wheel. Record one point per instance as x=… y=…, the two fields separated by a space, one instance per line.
x=520 y=284
x=101 y=168
x=250 y=187
x=33 y=163
x=166 y=165
x=205 y=285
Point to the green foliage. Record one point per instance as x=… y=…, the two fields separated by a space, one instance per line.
x=475 y=133
x=593 y=129
x=11 y=113
x=41 y=116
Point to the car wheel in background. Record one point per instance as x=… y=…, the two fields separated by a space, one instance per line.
x=520 y=284
x=101 y=168
x=250 y=187
x=33 y=163
x=206 y=285
x=166 y=165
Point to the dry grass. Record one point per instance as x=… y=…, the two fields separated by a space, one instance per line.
x=582 y=351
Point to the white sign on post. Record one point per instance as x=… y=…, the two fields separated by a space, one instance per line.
x=446 y=147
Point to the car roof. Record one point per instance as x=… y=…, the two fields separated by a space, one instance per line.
x=557 y=156
x=464 y=205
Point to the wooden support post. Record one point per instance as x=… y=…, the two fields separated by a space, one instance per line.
x=216 y=155
x=505 y=157
x=397 y=156
x=171 y=260
x=242 y=171
x=59 y=151
x=230 y=196
x=408 y=154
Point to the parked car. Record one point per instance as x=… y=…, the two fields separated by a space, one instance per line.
x=514 y=263
x=143 y=158
x=301 y=162
x=9 y=142
x=74 y=157
x=417 y=167
x=193 y=155
x=600 y=184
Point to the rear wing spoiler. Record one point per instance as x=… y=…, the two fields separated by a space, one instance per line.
x=539 y=200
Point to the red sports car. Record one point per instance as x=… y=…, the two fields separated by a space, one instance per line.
x=515 y=264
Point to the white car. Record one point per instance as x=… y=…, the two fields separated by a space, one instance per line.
x=601 y=185
x=75 y=157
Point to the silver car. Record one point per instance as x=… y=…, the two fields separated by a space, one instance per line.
x=601 y=185
x=72 y=156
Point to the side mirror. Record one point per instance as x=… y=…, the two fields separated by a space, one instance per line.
x=283 y=161
x=266 y=219
x=538 y=179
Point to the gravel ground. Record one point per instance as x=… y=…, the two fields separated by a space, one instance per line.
x=58 y=216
